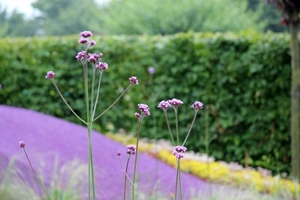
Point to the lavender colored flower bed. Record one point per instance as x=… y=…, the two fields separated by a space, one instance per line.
x=47 y=138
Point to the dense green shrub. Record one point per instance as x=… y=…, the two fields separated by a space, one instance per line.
x=244 y=79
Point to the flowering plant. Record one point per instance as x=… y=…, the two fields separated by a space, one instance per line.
x=91 y=95
x=91 y=101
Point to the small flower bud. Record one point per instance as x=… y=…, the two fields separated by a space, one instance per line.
x=134 y=80
x=50 y=75
x=22 y=144
x=197 y=105
x=92 y=43
x=131 y=150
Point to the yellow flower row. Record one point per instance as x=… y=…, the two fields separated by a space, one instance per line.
x=217 y=171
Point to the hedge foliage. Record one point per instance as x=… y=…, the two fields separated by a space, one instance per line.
x=243 y=78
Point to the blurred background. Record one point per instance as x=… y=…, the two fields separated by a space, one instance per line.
x=64 y=17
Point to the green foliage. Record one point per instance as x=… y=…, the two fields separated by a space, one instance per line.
x=243 y=78
x=14 y=24
x=169 y=17
x=64 y=17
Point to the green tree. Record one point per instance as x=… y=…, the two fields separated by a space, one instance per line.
x=173 y=16
x=290 y=10
x=63 y=17
x=14 y=24
x=268 y=14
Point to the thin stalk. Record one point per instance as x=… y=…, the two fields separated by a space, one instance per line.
x=125 y=178
x=92 y=93
x=177 y=179
x=67 y=102
x=97 y=96
x=172 y=139
x=195 y=115
x=207 y=142
x=136 y=157
x=90 y=128
x=36 y=176
x=177 y=132
x=113 y=103
x=125 y=172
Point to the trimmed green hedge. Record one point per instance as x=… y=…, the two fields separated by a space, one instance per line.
x=244 y=79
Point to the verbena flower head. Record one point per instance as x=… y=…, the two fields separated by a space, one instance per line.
x=164 y=105
x=197 y=105
x=22 y=144
x=50 y=75
x=92 y=58
x=80 y=55
x=131 y=150
x=175 y=102
x=179 y=151
x=151 y=70
x=102 y=66
x=83 y=40
x=134 y=80
x=144 y=109
x=86 y=34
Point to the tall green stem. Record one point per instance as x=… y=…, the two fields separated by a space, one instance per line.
x=136 y=158
x=90 y=127
x=207 y=142
x=125 y=178
x=178 y=181
x=91 y=163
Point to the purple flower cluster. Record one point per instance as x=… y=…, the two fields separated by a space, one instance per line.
x=131 y=150
x=50 y=75
x=197 y=105
x=86 y=34
x=175 y=102
x=80 y=55
x=102 y=66
x=145 y=111
x=164 y=105
x=84 y=38
x=179 y=151
x=93 y=58
x=134 y=80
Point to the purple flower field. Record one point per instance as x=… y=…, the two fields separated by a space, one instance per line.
x=47 y=138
